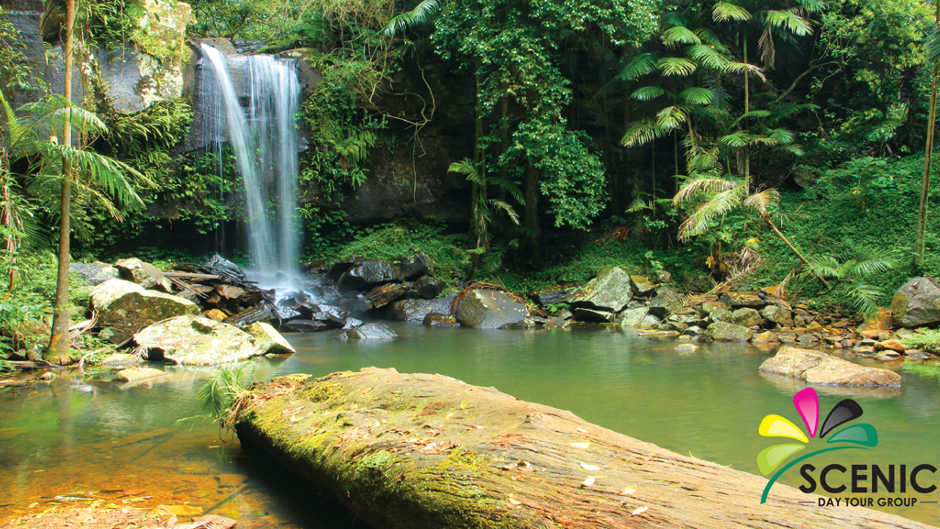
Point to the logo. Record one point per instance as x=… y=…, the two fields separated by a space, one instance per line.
x=857 y=436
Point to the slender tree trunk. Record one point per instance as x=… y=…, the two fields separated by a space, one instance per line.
x=532 y=207
x=792 y=247
x=58 y=351
x=747 y=108
x=920 y=246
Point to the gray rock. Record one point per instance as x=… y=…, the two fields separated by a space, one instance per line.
x=94 y=273
x=666 y=301
x=434 y=319
x=268 y=339
x=721 y=315
x=815 y=367
x=722 y=331
x=642 y=286
x=428 y=287
x=648 y=322
x=415 y=266
x=305 y=326
x=610 y=290
x=916 y=303
x=416 y=309
x=777 y=314
x=196 y=341
x=709 y=307
x=382 y=295
x=746 y=316
x=553 y=297
x=370 y=332
x=142 y=273
x=124 y=307
x=592 y=315
x=742 y=299
x=633 y=317
x=486 y=308
x=365 y=274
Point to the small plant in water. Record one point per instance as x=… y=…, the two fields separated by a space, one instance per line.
x=223 y=395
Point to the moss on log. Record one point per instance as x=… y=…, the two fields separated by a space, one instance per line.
x=428 y=451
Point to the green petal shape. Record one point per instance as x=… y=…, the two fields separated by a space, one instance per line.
x=862 y=434
x=771 y=457
x=777 y=426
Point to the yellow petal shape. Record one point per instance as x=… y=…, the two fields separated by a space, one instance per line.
x=777 y=426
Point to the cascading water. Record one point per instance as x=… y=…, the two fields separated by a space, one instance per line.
x=265 y=141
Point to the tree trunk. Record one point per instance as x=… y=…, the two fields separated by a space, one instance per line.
x=405 y=451
x=532 y=208
x=920 y=245
x=747 y=109
x=58 y=350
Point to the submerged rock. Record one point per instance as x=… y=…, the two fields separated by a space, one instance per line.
x=916 y=303
x=142 y=273
x=124 y=307
x=370 y=332
x=94 y=273
x=196 y=341
x=488 y=308
x=434 y=319
x=610 y=290
x=815 y=367
x=136 y=374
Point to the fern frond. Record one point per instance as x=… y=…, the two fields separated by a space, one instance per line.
x=709 y=57
x=725 y=11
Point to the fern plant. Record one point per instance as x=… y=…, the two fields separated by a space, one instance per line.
x=223 y=394
x=855 y=286
x=482 y=205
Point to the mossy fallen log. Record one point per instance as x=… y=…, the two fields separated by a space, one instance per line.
x=428 y=451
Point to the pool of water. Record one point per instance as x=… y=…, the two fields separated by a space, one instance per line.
x=86 y=442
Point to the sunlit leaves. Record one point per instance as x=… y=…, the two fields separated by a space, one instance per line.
x=727 y=11
x=423 y=13
x=641 y=133
x=677 y=35
x=675 y=66
x=709 y=57
x=647 y=93
x=789 y=20
x=696 y=96
x=671 y=118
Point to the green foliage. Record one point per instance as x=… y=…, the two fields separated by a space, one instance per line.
x=854 y=275
x=221 y=393
x=925 y=339
x=15 y=73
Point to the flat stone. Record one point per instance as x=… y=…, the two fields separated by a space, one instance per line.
x=660 y=334
x=765 y=338
x=428 y=287
x=711 y=306
x=893 y=345
x=642 y=286
x=142 y=273
x=815 y=367
x=368 y=273
x=666 y=301
x=136 y=374
x=592 y=315
x=382 y=295
x=215 y=314
x=633 y=317
x=94 y=273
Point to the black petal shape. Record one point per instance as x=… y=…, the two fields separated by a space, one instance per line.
x=843 y=412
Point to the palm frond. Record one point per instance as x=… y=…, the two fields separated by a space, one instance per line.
x=507 y=209
x=641 y=133
x=638 y=205
x=760 y=201
x=709 y=57
x=811 y=6
x=670 y=118
x=933 y=45
x=864 y=297
x=422 y=13
x=745 y=68
x=638 y=66
x=106 y=173
x=866 y=267
x=647 y=93
x=725 y=11
x=735 y=140
x=697 y=96
x=825 y=266
x=676 y=66
x=466 y=168
x=789 y=20
x=782 y=136
x=677 y=35
x=701 y=186
x=716 y=206
x=507 y=185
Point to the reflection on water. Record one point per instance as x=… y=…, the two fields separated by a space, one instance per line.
x=87 y=442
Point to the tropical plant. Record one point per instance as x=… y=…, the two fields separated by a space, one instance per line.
x=223 y=393
x=421 y=14
x=481 y=214
x=933 y=51
x=854 y=279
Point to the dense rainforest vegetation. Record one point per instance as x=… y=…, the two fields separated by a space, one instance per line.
x=776 y=142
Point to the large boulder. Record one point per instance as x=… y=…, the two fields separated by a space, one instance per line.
x=916 y=303
x=94 y=273
x=365 y=274
x=124 y=308
x=816 y=367
x=416 y=309
x=196 y=341
x=489 y=308
x=143 y=273
x=722 y=331
x=610 y=290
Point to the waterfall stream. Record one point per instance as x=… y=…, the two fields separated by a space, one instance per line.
x=262 y=133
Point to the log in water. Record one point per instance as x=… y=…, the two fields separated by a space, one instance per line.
x=428 y=451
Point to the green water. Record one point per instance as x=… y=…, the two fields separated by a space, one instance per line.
x=99 y=441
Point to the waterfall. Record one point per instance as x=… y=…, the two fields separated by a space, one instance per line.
x=263 y=135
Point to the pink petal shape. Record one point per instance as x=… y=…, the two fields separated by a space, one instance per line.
x=807 y=403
